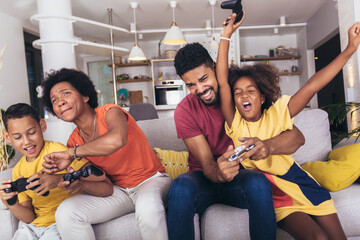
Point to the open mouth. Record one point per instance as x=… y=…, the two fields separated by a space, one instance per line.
x=247 y=106
x=30 y=150
x=206 y=95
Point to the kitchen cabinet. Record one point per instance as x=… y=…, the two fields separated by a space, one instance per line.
x=132 y=64
x=168 y=87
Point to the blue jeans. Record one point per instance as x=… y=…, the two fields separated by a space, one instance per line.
x=192 y=193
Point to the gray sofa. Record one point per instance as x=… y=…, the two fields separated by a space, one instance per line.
x=220 y=221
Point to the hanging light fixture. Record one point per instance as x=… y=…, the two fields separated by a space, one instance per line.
x=136 y=54
x=174 y=35
x=213 y=43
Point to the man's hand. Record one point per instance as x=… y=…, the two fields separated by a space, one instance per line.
x=260 y=151
x=45 y=182
x=57 y=161
x=228 y=170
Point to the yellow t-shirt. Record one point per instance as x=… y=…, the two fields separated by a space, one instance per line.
x=44 y=207
x=293 y=188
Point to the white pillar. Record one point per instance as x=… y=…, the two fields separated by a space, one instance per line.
x=56 y=55
x=349 y=13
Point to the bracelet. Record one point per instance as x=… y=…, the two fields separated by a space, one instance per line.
x=76 y=157
x=225 y=38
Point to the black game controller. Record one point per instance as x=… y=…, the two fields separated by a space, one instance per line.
x=83 y=172
x=239 y=151
x=20 y=186
x=236 y=7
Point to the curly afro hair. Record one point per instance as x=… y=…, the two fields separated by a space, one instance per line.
x=79 y=80
x=191 y=56
x=266 y=78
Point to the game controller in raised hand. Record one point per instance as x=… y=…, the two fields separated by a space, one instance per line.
x=239 y=151
x=20 y=186
x=83 y=172
x=236 y=7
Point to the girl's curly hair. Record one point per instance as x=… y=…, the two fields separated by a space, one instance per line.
x=79 y=80
x=266 y=78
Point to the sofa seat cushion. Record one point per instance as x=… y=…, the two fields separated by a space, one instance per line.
x=340 y=171
x=314 y=125
x=347 y=204
x=175 y=163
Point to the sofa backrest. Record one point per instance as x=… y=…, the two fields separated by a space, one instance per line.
x=314 y=125
x=161 y=133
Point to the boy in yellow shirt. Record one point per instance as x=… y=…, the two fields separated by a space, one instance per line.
x=24 y=129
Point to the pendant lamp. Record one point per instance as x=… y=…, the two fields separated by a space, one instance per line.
x=174 y=35
x=136 y=54
x=213 y=43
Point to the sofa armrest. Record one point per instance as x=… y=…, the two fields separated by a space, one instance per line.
x=8 y=223
x=346 y=142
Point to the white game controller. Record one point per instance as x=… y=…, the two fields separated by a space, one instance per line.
x=239 y=151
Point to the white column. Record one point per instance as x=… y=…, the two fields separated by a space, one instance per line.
x=56 y=55
x=349 y=13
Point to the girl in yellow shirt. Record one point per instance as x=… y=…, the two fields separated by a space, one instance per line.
x=250 y=104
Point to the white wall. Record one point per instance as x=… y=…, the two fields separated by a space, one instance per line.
x=322 y=25
x=14 y=86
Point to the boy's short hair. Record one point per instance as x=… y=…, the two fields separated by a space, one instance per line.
x=79 y=80
x=265 y=76
x=19 y=110
x=191 y=56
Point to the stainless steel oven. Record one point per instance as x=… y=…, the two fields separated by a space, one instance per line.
x=169 y=92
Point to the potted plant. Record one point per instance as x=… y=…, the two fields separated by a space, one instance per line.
x=6 y=151
x=338 y=114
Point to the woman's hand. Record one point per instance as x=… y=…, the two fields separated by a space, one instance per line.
x=57 y=161
x=43 y=182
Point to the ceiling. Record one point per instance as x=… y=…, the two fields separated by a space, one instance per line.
x=157 y=14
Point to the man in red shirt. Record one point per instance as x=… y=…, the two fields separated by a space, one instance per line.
x=211 y=178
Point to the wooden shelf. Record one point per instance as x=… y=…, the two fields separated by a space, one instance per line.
x=132 y=64
x=133 y=80
x=289 y=73
x=269 y=58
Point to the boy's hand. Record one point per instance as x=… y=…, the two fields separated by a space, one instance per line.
x=56 y=161
x=228 y=170
x=260 y=151
x=6 y=196
x=229 y=29
x=72 y=188
x=354 y=37
x=45 y=182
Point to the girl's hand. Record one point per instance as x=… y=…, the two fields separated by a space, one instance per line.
x=260 y=151
x=228 y=30
x=354 y=37
x=57 y=161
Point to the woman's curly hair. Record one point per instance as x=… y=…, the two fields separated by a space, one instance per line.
x=79 y=80
x=266 y=78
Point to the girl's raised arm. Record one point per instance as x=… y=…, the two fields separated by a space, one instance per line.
x=325 y=75
x=222 y=68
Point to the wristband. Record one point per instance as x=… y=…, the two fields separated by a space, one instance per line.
x=225 y=38
x=76 y=157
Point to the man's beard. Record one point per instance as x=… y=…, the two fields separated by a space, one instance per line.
x=214 y=101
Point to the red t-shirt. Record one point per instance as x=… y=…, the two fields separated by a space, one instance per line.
x=193 y=118
x=131 y=164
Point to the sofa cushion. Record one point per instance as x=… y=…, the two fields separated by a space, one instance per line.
x=314 y=125
x=175 y=163
x=161 y=133
x=340 y=171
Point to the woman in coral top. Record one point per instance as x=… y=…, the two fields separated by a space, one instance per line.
x=110 y=138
